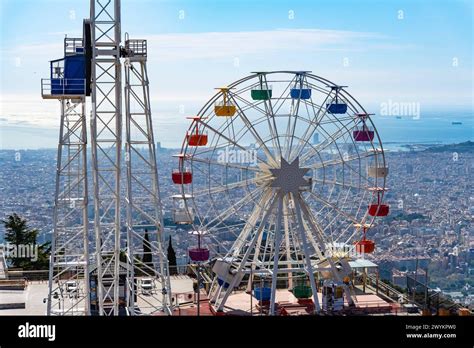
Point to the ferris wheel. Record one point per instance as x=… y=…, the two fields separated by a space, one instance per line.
x=281 y=174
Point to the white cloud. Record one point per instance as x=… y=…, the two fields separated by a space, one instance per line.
x=188 y=46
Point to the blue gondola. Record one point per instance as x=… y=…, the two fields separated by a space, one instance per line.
x=300 y=93
x=337 y=108
x=262 y=294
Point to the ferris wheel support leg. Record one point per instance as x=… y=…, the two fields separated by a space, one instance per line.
x=246 y=255
x=309 y=267
x=251 y=222
x=333 y=269
x=286 y=227
x=218 y=293
x=277 y=240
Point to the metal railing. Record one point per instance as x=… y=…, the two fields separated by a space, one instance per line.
x=136 y=47
x=71 y=46
x=62 y=88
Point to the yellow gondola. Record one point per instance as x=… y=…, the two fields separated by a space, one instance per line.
x=224 y=108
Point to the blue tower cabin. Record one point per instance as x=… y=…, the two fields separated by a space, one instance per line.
x=70 y=75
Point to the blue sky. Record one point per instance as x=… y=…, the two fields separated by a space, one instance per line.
x=403 y=51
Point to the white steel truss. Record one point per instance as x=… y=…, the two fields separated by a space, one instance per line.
x=145 y=256
x=115 y=285
x=69 y=262
x=106 y=140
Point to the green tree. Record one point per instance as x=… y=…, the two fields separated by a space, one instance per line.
x=19 y=234
x=147 y=258
x=172 y=258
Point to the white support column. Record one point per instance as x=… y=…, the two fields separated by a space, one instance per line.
x=276 y=252
x=250 y=247
x=309 y=267
x=143 y=203
x=106 y=149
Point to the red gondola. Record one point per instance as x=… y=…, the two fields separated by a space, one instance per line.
x=364 y=246
x=198 y=254
x=182 y=175
x=363 y=133
x=196 y=138
x=378 y=209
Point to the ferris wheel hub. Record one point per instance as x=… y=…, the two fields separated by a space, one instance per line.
x=289 y=177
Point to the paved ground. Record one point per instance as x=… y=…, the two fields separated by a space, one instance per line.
x=35 y=292
x=33 y=296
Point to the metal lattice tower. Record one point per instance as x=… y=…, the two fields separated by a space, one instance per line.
x=69 y=276
x=92 y=66
x=106 y=141
x=144 y=212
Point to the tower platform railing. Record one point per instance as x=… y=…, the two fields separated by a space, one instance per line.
x=73 y=46
x=60 y=88
x=136 y=47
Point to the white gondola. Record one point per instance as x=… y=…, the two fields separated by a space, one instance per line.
x=223 y=268
x=183 y=212
x=377 y=172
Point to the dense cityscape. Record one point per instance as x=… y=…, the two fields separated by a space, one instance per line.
x=429 y=227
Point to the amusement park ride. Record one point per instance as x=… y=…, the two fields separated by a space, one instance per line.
x=301 y=214
x=288 y=224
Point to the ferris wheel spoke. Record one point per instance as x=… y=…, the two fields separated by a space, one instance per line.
x=212 y=207
x=314 y=122
x=334 y=207
x=295 y=107
x=283 y=98
x=272 y=124
x=344 y=160
x=252 y=130
x=291 y=126
x=227 y=187
x=347 y=164
x=324 y=145
x=268 y=114
x=222 y=164
x=333 y=182
x=336 y=216
x=206 y=125
x=231 y=210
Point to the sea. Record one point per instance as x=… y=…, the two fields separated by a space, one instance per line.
x=395 y=131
